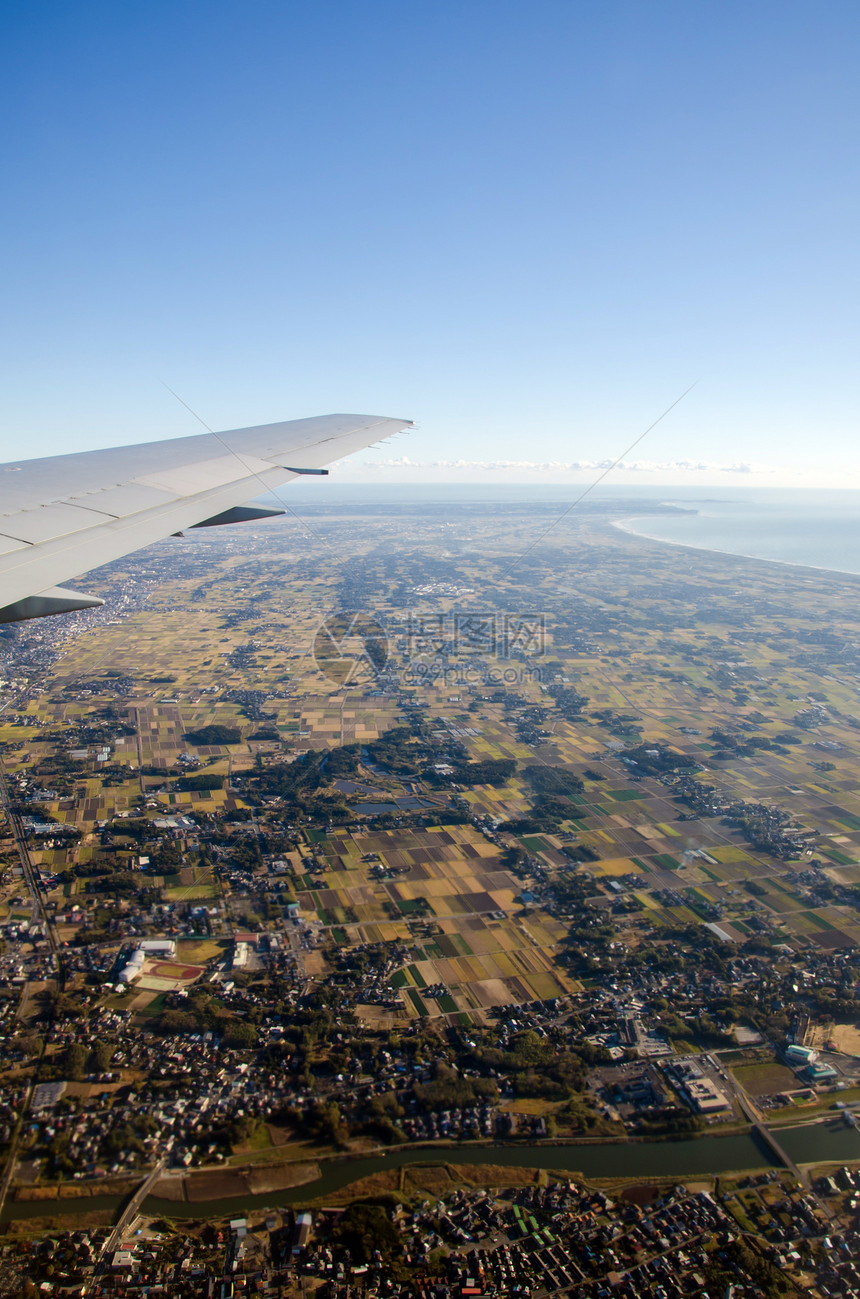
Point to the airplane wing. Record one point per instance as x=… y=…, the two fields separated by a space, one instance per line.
x=64 y=515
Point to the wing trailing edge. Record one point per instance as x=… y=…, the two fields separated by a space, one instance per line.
x=65 y=515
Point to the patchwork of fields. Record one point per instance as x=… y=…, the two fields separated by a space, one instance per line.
x=452 y=903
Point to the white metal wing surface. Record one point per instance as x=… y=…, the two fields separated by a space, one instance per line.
x=63 y=515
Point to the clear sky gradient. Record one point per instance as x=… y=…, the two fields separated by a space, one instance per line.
x=527 y=226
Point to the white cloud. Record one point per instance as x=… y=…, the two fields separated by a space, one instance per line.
x=566 y=466
x=656 y=473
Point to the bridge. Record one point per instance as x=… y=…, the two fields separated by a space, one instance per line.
x=129 y=1213
x=767 y=1137
x=760 y=1128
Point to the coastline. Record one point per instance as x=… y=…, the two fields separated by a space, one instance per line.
x=626 y=525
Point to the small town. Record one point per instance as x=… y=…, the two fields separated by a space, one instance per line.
x=513 y=1241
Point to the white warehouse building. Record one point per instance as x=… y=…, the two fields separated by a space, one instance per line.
x=157 y=947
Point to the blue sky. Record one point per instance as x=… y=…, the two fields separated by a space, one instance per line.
x=528 y=227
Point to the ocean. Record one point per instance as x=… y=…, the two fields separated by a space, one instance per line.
x=816 y=529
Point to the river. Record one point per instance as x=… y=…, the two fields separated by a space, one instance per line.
x=692 y=1157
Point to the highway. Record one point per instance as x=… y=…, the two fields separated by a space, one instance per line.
x=31 y=874
x=38 y=912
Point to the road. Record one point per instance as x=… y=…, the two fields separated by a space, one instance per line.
x=139 y=751
x=12 y=1157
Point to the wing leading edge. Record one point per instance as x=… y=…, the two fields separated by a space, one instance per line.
x=63 y=515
